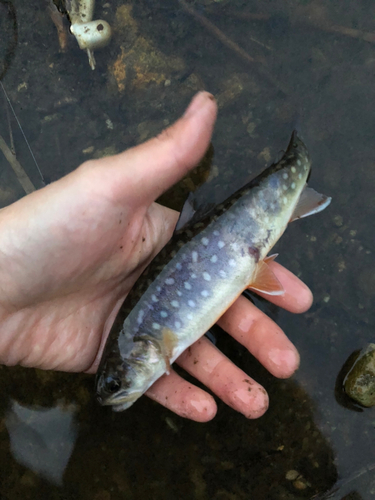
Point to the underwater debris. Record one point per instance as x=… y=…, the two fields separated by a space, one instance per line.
x=90 y=35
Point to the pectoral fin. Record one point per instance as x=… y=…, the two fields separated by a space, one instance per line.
x=265 y=280
x=310 y=202
x=187 y=213
x=165 y=346
x=190 y=215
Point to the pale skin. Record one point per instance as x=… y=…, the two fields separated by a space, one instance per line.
x=70 y=253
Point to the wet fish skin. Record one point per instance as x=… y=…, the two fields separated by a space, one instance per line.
x=197 y=276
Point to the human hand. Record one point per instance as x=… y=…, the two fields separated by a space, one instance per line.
x=70 y=253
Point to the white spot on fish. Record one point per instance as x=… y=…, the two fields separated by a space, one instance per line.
x=285 y=187
x=234 y=246
x=216 y=233
x=189 y=316
x=205 y=293
x=285 y=175
x=299 y=176
x=293 y=185
x=175 y=303
x=206 y=276
x=293 y=169
x=220 y=244
x=222 y=273
x=156 y=326
x=299 y=163
x=193 y=275
x=187 y=285
x=285 y=200
x=169 y=281
x=154 y=298
x=140 y=317
x=205 y=241
x=163 y=314
x=179 y=293
x=177 y=324
x=191 y=303
x=158 y=288
x=194 y=256
x=178 y=266
x=232 y=263
x=213 y=259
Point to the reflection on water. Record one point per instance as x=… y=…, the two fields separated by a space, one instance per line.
x=42 y=439
x=314 y=62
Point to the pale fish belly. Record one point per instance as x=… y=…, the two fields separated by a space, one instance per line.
x=197 y=285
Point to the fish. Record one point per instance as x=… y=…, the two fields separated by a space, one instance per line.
x=210 y=260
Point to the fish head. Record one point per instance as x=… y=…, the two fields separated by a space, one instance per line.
x=122 y=379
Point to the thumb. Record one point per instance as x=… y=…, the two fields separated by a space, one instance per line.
x=147 y=170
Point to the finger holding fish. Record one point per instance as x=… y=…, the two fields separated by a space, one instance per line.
x=233 y=386
x=181 y=397
x=262 y=337
x=259 y=334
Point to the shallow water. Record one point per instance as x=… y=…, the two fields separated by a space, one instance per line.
x=316 y=80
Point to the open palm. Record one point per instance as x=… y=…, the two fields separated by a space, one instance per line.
x=70 y=253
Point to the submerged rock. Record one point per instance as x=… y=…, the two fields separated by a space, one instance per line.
x=359 y=383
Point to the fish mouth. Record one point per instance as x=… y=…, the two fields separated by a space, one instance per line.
x=120 y=401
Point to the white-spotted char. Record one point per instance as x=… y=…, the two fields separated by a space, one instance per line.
x=207 y=264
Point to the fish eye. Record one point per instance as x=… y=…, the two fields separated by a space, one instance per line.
x=112 y=384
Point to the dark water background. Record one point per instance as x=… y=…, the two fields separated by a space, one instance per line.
x=55 y=441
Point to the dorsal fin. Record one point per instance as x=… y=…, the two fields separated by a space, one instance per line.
x=190 y=215
x=187 y=213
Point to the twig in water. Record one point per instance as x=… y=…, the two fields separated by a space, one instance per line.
x=367 y=36
x=247 y=17
x=304 y=16
x=22 y=176
x=232 y=45
x=58 y=21
x=218 y=33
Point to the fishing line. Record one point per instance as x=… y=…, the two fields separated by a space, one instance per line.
x=22 y=132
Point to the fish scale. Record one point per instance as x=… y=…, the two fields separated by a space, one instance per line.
x=208 y=263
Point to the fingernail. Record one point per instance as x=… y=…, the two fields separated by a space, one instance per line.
x=203 y=408
x=198 y=102
x=259 y=405
x=286 y=361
